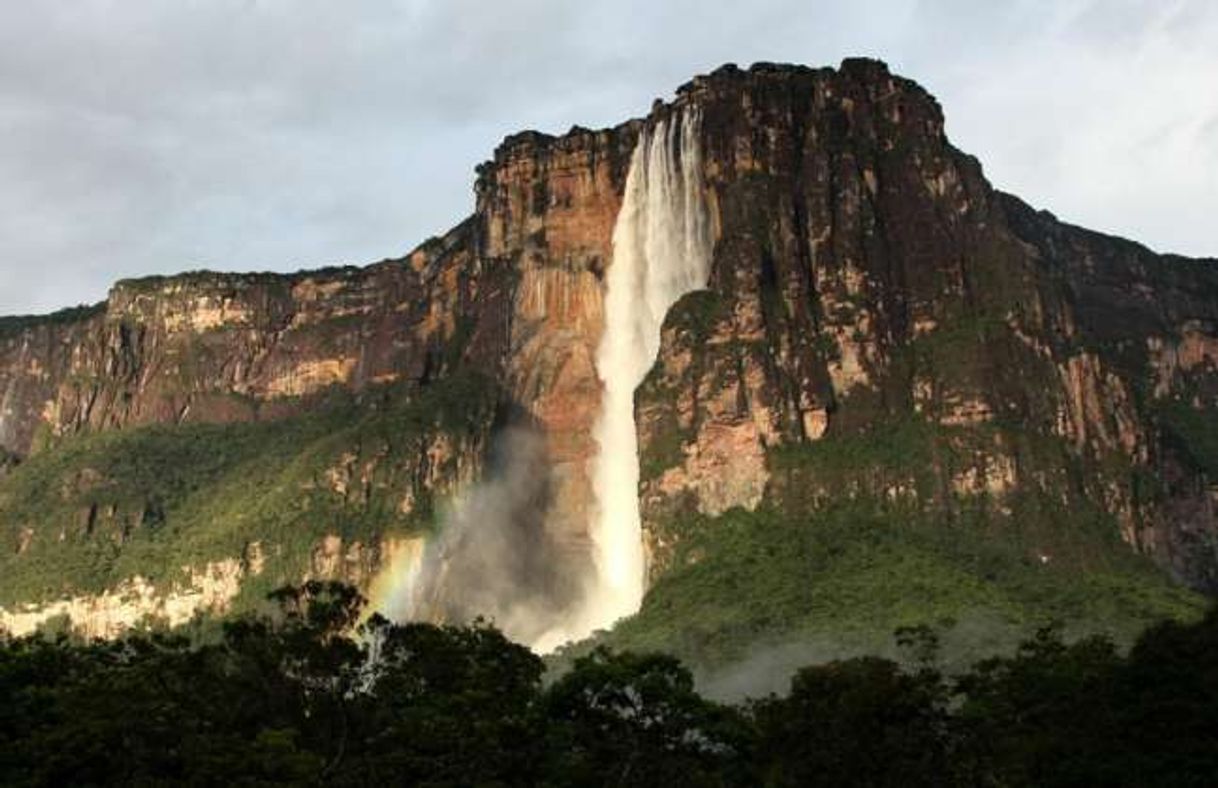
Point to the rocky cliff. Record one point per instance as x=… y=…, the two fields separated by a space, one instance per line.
x=217 y=348
x=868 y=288
x=865 y=272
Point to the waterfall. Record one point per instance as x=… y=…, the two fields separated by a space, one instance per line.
x=661 y=251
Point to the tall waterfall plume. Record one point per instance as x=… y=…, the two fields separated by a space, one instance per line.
x=661 y=251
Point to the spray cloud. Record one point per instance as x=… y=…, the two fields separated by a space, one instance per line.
x=492 y=556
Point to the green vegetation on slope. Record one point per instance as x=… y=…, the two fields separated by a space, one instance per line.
x=861 y=534
x=1195 y=432
x=103 y=507
x=852 y=574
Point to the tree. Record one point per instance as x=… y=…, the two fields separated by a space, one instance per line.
x=862 y=722
x=451 y=705
x=635 y=719
x=1044 y=716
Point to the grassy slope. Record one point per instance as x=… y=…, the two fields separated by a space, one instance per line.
x=851 y=571
x=203 y=491
x=847 y=573
x=855 y=573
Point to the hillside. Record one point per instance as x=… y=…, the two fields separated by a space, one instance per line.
x=900 y=397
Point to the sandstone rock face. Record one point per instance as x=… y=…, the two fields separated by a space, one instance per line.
x=547 y=208
x=864 y=274
x=224 y=347
x=208 y=590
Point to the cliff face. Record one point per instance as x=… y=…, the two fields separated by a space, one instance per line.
x=546 y=208
x=864 y=276
x=217 y=348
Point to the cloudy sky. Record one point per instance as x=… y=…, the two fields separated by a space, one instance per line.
x=146 y=136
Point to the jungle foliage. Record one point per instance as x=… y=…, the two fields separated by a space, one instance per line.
x=315 y=694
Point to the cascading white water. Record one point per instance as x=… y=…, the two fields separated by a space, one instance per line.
x=661 y=251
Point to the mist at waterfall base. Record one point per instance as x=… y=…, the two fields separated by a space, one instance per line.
x=492 y=556
x=767 y=666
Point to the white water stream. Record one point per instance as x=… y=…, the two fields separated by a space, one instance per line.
x=661 y=251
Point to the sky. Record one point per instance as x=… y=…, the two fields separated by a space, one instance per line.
x=149 y=136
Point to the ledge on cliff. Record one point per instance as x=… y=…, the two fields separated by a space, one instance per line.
x=14 y=325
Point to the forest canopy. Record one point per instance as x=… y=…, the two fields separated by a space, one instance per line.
x=314 y=693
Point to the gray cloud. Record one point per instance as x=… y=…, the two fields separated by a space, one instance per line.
x=148 y=137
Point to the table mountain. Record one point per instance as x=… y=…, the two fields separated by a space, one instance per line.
x=899 y=395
